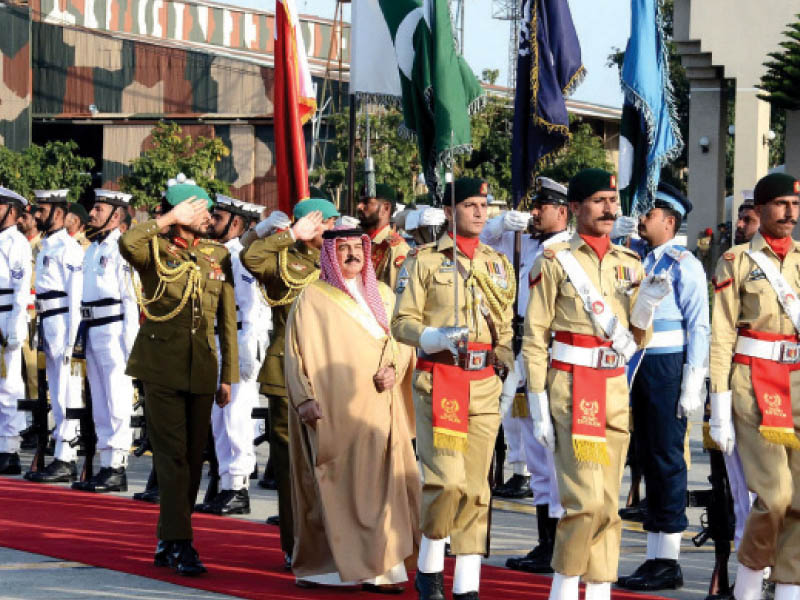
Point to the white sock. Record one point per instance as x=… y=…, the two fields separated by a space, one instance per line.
x=598 y=591
x=669 y=545
x=786 y=591
x=431 y=555
x=467 y=575
x=652 y=545
x=748 y=583
x=564 y=587
x=521 y=468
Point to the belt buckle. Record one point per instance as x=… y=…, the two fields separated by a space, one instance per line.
x=476 y=360
x=790 y=352
x=607 y=358
x=86 y=312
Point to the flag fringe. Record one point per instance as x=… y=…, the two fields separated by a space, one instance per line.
x=519 y=407
x=575 y=81
x=632 y=97
x=387 y=100
x=708 y=441
x=444 y=441
x=590 y=451
x=780 y=435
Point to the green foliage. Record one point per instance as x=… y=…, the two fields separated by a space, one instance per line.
x=490 y=75
x=781 y=82
x=397 y=159
x=54 y=166
x=174 y=153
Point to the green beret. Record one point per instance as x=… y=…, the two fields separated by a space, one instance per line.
x=466 y=187
x=774 y=186
x=589 y=182
x=304 y=207
x=183 y=191
x=79 y=211
x=315 y=192
x=382 y=191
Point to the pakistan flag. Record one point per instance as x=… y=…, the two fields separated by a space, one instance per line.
x=439 y=89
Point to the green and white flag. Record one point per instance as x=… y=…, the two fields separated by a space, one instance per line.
x=439 y=89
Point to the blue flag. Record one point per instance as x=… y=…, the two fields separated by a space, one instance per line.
x=649 y=133
x=549 y=68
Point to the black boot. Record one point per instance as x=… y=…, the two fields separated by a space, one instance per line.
x=466 y=596
x=57 y=471
x=187 y=560
x=212 y=491
x=150 y=493
x=230 y=502
x=109 y=479
x=430 y=585
x=663 y=574
x=267 y=481
x=518 y=486
x=538 y=560
x=9 y=463
x=164 y=556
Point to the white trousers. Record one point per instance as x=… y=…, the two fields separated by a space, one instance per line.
x=233 y=436
x=742 y=497
x=12 y=388
x=65 y=392
x=512 y=431
x=543 y=471
x=112 y=394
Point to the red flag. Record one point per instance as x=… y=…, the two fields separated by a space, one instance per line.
x=295 y=103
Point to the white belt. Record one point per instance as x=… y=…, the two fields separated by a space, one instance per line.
x=51 y=304
x=597 y=358
x=786 y=352
x=667 y=339
x=92 y=313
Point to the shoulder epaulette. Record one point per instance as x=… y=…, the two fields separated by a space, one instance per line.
x=627 y=251
x=395 y=239
x=420 y=248
x=677 y=253
x=210 y=241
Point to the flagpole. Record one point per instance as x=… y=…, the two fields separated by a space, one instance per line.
x=351 y=157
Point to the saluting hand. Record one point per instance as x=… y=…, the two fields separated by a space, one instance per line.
x=187 y=213
x=384 y=379
x=223 y=395
x=308 y=227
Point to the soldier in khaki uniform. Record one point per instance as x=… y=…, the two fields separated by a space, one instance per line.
x=284 y=263
x=389 y=249
x=587 y=374
x=186 y=283
x=457 y=404
x=755 y=385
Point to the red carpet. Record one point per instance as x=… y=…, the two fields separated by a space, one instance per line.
x=243 y=558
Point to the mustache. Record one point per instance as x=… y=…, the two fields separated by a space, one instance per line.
x=607 y=217
x=788 y=220
x=350 y=259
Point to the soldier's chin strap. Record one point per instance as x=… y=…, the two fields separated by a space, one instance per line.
x=5 y=216
x=99 y=233
x=47 y=226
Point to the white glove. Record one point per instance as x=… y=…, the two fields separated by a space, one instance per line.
x=624 y=227
x=436 y=339
x=276 y=220
x=622 y=342
x=515 y=220
x=13 y=344
x=431 y=217
x=509 y=391
x=539 y=407
x=653 y=289
x=721 y=421
x=247 y=367
x=348 y=221
x=693 y=390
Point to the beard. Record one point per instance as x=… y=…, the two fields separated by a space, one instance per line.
x=368 y=221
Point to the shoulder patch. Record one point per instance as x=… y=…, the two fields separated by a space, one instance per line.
x=399 y=261
x=547 y=253
x=729 y=256
x=677 y=253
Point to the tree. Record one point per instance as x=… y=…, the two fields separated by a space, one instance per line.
x=490 y=75
x=173 y=153
x=584 y=151
x=54 y=166
x=781 y=82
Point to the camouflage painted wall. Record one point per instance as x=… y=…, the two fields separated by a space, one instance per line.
x=237 y=30
x=15 y=76
x=73 y=69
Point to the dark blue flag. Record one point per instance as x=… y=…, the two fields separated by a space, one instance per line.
x=549 y=68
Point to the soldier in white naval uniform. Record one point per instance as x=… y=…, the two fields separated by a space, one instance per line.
x=110 y=324
x=59 y=286
x=15 y=290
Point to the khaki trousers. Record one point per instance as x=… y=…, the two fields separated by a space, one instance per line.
x=588 y=535
x=772 y=532
x=177 y=425
x=455 y=486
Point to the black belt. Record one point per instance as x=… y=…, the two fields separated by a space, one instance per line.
x=102 y=302
x=6 y=308
x=6 y=291
x=51 y=294
x=238 y=328
x=53 y=312
x=89 y=323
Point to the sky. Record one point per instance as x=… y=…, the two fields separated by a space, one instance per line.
x=602 y=25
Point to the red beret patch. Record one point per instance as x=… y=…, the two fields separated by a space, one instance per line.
x=729 y=256
x=484 y=188
x=797 y=187
x=613 y=182
x=399 y=261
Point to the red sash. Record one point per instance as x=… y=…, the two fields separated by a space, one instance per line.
x=450 y=399
x=588 y=399
x=773 y=390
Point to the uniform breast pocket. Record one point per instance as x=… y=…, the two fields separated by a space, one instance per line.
x=570 y=299
x=211 y=291
x=757 y=294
